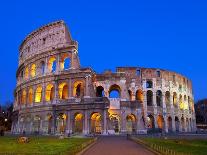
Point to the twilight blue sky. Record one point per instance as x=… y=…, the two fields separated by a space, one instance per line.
x=164 y=34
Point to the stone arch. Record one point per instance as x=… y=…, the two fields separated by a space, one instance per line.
x=33 y=70
x=159 y=98
x=52 y=64
x=64 y=62
x=78 y=123
x=38 y=94
x=177 y=124
x=182 y=124
x=181 y=104
x=114 y=126
x=130 y=94
x=49 y=119
x=131 y=123
x=61 y=123
x=149 y=84
x=175 y=99
x=36 y=124
x=139 y=96
x=149 y=98
x=150 y=122
x=78 y=89
x=30 y=96
x=96 y=123
x=167 y=98
x=99 y=91
x=115 y=91
x=169 y=121
x=50 y=92
x=63 y=91
x=160 y=122
x=26 y=73
x=24 y=96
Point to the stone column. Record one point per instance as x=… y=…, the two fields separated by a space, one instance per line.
x=43 y=93
x=57 y=64
x=56 y=93
x=86 y=94
x=46 y=65
x=86 y=123
x=155 y=108
x=70 y=88
x=68 y=123
x=145 y=107
x=105 y=122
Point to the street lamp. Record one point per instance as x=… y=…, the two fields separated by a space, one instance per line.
x=5 y=120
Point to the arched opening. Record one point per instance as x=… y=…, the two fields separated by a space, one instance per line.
x=131 y=123
x=181 y=104
x=115 y=123
x=61 y=123
x=36 y=124
x=169 y=121
x=114 y=91
x=49 y=127
x=99 y=91
x=160 y=122
x=78 y=124
x=26 y=73
x=49 y=95
x=159 y=98
x=96 y=126
x=150 y=122
x=139 y=96
x=30 y=96
x=42 y=67
x=182 y=124
x=65 y=62
x=149 y=98
x=177 y=124
x=149 y=84
x=175 y=99
x=63 y=91
x=38 y=94
x=24 y=97
x=78 y=90
x=52 y=65
x=130 y=95
x=33 y=70
x=185 y=103
x=167 y=98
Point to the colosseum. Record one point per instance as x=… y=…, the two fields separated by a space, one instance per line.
x=55 y=95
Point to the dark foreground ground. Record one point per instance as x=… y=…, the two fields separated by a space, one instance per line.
x=116 y=145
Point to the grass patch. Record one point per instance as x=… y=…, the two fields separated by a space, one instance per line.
x=42 y=145
x=194 y=147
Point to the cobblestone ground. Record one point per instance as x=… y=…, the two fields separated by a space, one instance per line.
x=116 y=145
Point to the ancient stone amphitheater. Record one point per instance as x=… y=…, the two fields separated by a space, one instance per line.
x=55 y=95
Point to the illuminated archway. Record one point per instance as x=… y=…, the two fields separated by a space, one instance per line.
x=115 y=91
x=61 y=123
x=52 y=64
x=131 y=123
x=181 y=104
x=38 y=94
x=115 y=123
x=150 y=122
x=30 y=96
x=78 y=90
x=63 y=91
x=49 y=94
x=139 y=96
x=175 y=99
x=24 y=97
x=96 y=125
x=160 y=122
x=26 y=73
x=78 y=123
x=33 y=70
x=65 y=62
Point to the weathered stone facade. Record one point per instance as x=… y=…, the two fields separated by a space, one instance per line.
x=55 y=95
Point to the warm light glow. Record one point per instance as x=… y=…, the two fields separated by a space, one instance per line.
x=78 y=89
x=63 y=91
x=30 y=96
x=139 y=96
x=51 y=64
x=38 y=94
x=26 y=74
x=160 y=122
x=33 y=70
x=78 y=117
x=49 y=95
x=24 y=97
